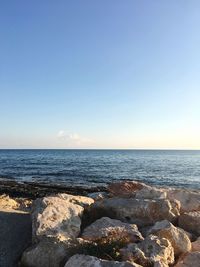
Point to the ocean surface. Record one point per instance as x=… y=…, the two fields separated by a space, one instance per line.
x=99 y=167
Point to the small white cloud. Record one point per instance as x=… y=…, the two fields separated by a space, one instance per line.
x=61 y=134
x=73 y=139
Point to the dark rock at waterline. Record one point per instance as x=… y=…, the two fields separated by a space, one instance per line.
x=34 y=190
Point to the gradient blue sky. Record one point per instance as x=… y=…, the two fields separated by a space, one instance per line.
x=100 y=74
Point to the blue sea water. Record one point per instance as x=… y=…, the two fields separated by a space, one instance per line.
x=99 y=167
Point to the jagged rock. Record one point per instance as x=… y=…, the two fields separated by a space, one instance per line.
x=152 y=251
x=110 y=229
x=190 y=222
x=196 y=245
x=138 y=211
x=125 y=189
x=178 y=238
x=136 y=190
x=56 y=217
x=191 y=259
x=79 y=260
x=47 y=253
x=190 y=201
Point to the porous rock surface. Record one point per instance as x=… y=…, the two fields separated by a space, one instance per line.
x=150 y=251
x=106 y=228
x=58 y=216
x=79 y=260
x=178 y=238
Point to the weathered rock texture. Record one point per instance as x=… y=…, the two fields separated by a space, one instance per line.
x=136 y=189
x=138 y=211
x=89 y=261
x=58 y=216
x=110 y=229
x=178 y=238
x=191 y=259
x=125 y=189
x=190 y=222
x=152 y=251
x=190 y=201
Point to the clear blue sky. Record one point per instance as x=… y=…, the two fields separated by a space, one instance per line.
x=105 y=74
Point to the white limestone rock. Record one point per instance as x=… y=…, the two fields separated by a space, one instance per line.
x=150 y=252
x=56 y=217
x=178 y=238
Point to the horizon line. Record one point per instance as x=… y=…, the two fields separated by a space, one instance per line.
x=172 y=149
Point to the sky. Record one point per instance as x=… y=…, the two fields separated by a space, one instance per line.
x=100 y=74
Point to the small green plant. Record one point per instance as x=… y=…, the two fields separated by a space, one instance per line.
x=104 y=249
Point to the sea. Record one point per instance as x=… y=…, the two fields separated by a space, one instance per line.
x=68 y=167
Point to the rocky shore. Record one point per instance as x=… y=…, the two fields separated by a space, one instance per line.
x=128 y=224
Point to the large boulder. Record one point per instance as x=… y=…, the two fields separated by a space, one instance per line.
x=190 y=222
x=190 y=200
x=110 y=229
x=178 y=238
x=150 y=252
x=191 y=259
x=135 y=189
x=138 y=211
x=57 y=217
x=196 y=245
x=79 y=260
